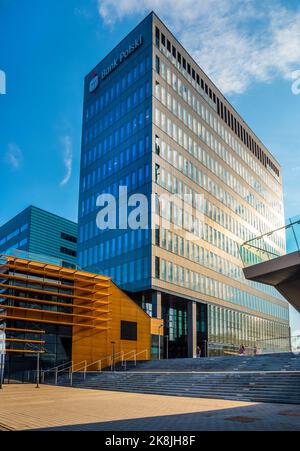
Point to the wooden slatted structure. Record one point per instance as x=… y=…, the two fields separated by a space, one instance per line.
x=35 y=293
x=50 y=294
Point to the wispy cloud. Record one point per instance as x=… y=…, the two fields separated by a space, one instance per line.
x=83 y=12
x=14 y=156
x=66 y=143
x=236 y=43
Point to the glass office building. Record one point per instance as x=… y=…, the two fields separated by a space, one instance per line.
x=155 y=123
x=39 y=232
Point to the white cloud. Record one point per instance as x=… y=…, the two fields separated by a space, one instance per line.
x=236 y=43
x=14 y=156
x=68 y=158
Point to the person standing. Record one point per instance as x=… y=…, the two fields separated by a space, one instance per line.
x=242 y=350
x=198 y=352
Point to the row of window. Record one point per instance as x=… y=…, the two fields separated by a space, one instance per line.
x=67 y=251
x=182 y=218
x=68 y=237
x=178 y=275
x=14 y=234
x=177 y=134
x=185 y=221
x=15 y=246
x=198 y=254
x=128 y=272
x=135 y=179
x=212 y=121
x=112 y=165
x=121 y=133
x=113 y=92
x=169 y=154
x=189 y=72
x=227 y=326
x=34 y=286
x=194 y=125
x=42 y=278
x=105 y=250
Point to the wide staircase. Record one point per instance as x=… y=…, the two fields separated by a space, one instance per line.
x=263 y=378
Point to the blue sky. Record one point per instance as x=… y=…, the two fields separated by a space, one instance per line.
x=251 y=50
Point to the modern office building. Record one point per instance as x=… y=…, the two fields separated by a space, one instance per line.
x=67 y=315
x=155 y=123
x=40 y=232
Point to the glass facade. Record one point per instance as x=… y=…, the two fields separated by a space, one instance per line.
x=40 y=232
x=157 y=125
x=116 y=151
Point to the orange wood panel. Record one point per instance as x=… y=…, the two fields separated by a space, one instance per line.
x=95 y=346
x=156 y=328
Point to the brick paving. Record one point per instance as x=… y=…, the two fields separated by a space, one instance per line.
x=23 y=407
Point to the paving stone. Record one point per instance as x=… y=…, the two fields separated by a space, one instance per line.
x=23 y=407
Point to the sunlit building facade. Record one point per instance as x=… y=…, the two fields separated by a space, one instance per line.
x=154 y=122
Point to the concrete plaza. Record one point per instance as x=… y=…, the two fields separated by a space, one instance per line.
x=23 y=407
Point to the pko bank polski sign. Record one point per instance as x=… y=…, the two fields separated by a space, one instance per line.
x=94 y=83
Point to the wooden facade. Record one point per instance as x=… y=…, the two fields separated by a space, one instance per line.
x=34 y=293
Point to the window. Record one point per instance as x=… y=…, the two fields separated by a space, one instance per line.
x=67 y=237
x=65 y=250
x=128 y=330
x=157 y=173
x=157 y=145
x=157 y=64
x=157 y=33
x=157 y=268
x=157 y=237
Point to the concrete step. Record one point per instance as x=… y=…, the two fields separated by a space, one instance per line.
x=258 y=379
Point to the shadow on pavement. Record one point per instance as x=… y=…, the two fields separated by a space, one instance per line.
x=258 y=417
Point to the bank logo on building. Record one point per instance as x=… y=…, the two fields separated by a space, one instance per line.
x=94 y=83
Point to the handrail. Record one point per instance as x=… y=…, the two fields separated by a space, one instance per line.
x=57 y=367
x=130 y=352
x=142 y=352
x=71 y=367
x=135 y=356
x=72 y=371
x=56 y=370
x=110 y=358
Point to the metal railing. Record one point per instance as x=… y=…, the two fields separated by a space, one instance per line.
x=145 y=351
x=112 y=359
x=54 y=370
x=282 y=241
x=70 y=368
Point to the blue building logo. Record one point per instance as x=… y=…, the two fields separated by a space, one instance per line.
x=94 y=83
